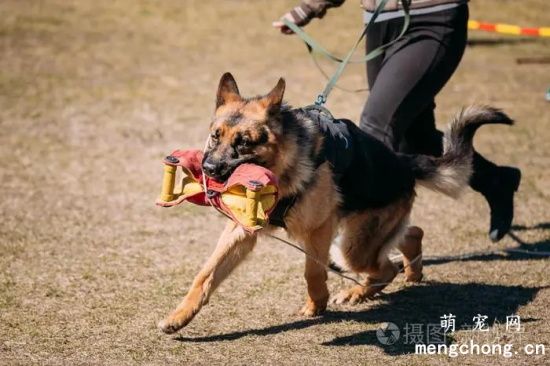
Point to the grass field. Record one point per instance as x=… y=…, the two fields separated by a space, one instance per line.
x=94 y=93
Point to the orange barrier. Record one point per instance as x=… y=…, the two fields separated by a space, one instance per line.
x=509 y=29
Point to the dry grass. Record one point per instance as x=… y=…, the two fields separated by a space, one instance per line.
x=94 y=93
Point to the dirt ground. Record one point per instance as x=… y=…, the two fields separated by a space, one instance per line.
x=94 y=93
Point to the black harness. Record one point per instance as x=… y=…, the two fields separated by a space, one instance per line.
x=337 y=150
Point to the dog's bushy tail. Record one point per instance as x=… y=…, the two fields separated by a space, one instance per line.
x=450 y=173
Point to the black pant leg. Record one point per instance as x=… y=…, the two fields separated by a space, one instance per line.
x=424 y=138
x=413 y=71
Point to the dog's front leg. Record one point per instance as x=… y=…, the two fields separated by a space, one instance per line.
x=233 y=245
x=317 y=245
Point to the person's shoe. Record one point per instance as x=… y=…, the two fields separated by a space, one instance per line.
x=501 y=201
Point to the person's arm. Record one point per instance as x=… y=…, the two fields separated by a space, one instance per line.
x=305 y=12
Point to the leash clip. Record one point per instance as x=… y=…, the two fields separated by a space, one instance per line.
x=210 y=194
x=321 y=99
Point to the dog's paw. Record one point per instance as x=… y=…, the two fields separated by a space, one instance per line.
x=415 y=277
x=311 y=309
x=354 y=295
x=168 y=326
x=177 y=320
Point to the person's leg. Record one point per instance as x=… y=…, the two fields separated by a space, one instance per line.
x=401 y=103
x=497 y=184
x=423 y=137
x=376 y=37
x=413 y=71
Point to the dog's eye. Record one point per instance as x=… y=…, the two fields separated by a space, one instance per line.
x=213 y=140
x=214 y=136
x=243 y=145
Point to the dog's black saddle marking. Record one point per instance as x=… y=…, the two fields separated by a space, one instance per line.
x=367 y=173
x=337 y=150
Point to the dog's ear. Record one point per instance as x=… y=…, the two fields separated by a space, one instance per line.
x=227 y=90
x=274 y=98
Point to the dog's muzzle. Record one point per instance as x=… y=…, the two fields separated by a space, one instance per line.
x=248 y=196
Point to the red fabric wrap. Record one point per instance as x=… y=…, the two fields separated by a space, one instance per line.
x=251 y=175
x=189 y=159
x=248 y=175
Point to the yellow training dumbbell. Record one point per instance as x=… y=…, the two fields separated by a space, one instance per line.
x=245 y=201
x=168 y=183
x=253 y=196
x=170 y=192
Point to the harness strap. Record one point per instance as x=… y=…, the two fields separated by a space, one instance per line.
x=313 y=45
x=278 y=214
x=325 y=121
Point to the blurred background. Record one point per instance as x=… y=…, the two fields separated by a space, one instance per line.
x=93 y=94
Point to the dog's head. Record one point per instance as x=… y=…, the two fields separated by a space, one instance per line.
x=243 y=130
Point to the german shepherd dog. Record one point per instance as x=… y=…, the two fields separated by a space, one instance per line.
x=369 y=203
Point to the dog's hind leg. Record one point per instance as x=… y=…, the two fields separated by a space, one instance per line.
x=377 y=278
x=233 y=245
x=368 y=237
x=411 y=248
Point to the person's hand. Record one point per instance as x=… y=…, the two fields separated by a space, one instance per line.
x=300 y=15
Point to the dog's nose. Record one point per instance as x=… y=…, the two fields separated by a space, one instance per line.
x=209 y=168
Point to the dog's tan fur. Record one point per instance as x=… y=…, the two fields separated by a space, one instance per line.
x=254 y=130
x=313 y=221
